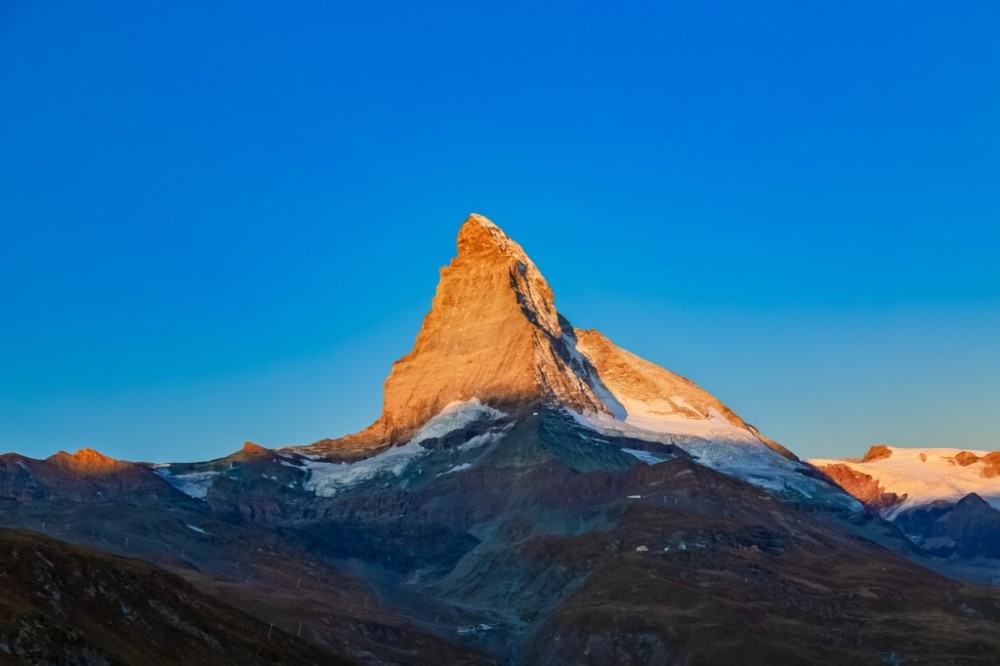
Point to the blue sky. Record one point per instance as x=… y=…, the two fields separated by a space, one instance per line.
x=224 y=223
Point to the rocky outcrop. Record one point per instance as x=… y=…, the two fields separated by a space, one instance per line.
x=877 y=452
x=88 y=462
x=966 y=458
x=862 y=486
x=991 y=465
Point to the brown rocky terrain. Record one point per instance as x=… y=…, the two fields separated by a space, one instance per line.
x=84 y=475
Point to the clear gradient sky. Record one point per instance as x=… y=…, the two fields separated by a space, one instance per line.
x=223 y=221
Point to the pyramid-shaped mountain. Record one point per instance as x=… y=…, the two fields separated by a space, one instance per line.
x=494 y=334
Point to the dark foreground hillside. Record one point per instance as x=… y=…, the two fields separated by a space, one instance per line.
x=64 y=604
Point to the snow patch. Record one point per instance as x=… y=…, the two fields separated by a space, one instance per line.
x=482 y=440
x=193 y=484
x=646 y=456
x=456 y=415
x=457 y=468
x=196 y=529
x=652 y=426
x=582 y=363
x=326 y=479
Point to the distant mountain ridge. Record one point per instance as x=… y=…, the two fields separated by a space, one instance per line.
x=946 y=500
x=916 y=476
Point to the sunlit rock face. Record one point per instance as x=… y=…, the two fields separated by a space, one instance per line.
x=88 y=462
x=864 y=487
x=492 y=333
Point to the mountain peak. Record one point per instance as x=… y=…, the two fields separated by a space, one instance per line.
x=493 y=334
x=974 y=501
x=86 y=459
x=249 y=448
x=480 y=237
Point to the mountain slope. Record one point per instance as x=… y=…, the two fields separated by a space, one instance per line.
x=65 y=604
x=660 y=400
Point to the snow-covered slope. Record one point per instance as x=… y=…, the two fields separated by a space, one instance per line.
x=718 y=444
x=922 y=476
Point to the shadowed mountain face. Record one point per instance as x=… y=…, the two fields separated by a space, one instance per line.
x=531 y=494
x=969 y=528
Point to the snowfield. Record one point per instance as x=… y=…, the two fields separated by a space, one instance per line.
x=193 y=484
x=326 y=479
x=926 y=475
x=454 y=416
x=720 y=445
x=646 y=456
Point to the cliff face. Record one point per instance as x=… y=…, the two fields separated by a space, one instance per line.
x=492 y=333
x=863 y=486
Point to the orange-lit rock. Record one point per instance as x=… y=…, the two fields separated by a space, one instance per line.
x=88 y=461
x=492 y=333
x=251 y=449
x=863 y=486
